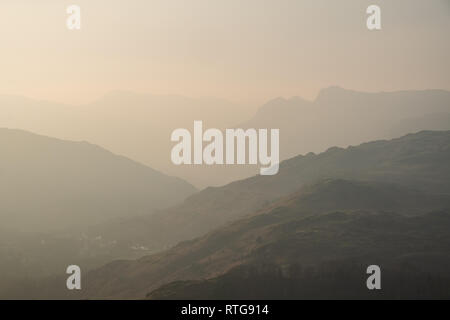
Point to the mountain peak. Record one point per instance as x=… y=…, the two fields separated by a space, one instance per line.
x=332 y=92
x=281 y=103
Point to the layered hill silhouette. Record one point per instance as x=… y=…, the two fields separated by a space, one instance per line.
x=341 y=117
x=326 y=257
x=417 y=161
x=379 y=183
x=47 y=184
x=334 y=221
x=126 y=123
x=323 y=206
x=135 y=125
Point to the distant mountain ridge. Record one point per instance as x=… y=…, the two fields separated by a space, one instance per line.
x=139 y=125
x=342 y=117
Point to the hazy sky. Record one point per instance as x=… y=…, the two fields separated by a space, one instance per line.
x=242 y=50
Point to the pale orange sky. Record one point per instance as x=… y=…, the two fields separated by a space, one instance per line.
x=241 y=50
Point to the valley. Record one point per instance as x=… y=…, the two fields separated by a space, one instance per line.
x=322 y=217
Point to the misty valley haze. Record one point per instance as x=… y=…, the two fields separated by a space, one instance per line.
x=224 y=150
x=66 y=201
x=404 y=177
x=49 y=184
x=125 y=123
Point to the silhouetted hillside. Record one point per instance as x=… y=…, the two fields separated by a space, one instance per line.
x=308 y=229
x=47 y=183
x=418 y=161
x=341 y=117
x=276 y=216
x=126 y=123
x=332 y=280
x=132 y=124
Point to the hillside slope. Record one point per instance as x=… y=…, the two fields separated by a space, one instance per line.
x=324 y=222
x=135 y=125
x=418 y=161
x=47 y=183
x=326 y=257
